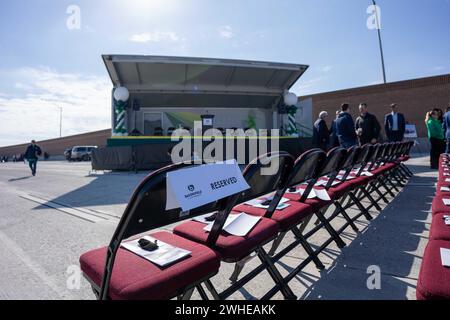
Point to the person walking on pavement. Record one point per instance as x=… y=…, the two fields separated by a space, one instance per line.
x=436 y=136
x=31 y=154
x=345 y=128
x=321 y=135
x=394 y=125
x=367 y=126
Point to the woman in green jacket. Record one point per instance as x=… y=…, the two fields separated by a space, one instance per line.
x=436 y=136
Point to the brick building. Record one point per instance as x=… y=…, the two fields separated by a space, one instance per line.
x=56 y=147
x=414 y=98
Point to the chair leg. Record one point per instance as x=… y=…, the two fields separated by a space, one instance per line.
x=360 y=206
x=276 y=243
x=187 y=295
x=308 y=249
x=202 y=292
x=371 y=199
x=346 y=216
x=275 y=275
x=339 y=242
x=238 y=267
x=212 y=290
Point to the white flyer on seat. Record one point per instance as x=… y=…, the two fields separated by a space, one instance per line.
x=322 y=194
x=367 y=173
x=237 y=224
x=258 y=203
x=445 y=257
x=196 y=186
x=447 y=180
x=166 y=254
x=446 y=201
x=300 y=191
x=445 y=189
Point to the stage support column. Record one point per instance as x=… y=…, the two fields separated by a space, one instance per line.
x=120 y=97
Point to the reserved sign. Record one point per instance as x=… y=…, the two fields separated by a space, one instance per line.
x=193 y=187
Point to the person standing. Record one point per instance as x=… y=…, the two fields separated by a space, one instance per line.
x=321 y=134
x=394 y=125
x=367 y=126
x=446 y=127
x=436 y=136
x=333 y=134
x=345 y=128
x=31 y=154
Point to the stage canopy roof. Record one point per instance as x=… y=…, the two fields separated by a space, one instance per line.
x=202 y=82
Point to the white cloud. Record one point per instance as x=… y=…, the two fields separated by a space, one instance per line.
x=226 y=32
x=33 y=112
x=155 y=36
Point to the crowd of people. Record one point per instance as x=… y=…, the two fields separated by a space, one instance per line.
x=365 y=129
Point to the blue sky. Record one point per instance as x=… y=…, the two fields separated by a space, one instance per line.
x=44 y=65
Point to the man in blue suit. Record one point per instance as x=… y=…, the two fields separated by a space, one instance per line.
x=394 y=125
x=446 y=126
x=345 y=128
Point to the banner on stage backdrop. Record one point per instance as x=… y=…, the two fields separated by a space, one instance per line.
x=196 y=186
x=410 y=131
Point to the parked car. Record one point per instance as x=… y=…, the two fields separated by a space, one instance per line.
x=82 y=153
x=68 y=153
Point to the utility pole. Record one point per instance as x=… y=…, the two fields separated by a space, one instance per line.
x=60 y=121
x=379 y=40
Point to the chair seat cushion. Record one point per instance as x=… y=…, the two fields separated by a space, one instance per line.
x=135 y=278
x=341 y=189
x=231 y=248
x=439 y=230
x=434 y=278
x=315 y=203
x=438 y=206
x=286 y=218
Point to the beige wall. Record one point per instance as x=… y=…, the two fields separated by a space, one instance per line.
x=414 y=99
x=56 y=147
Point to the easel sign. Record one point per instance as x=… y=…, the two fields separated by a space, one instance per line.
x=410 y=131
x=194 y=187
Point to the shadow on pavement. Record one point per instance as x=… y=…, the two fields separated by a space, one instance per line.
x=393 y=242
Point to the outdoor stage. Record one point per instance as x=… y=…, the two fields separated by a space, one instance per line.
x=153 y=96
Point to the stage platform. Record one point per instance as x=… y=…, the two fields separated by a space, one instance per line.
x=152 y=152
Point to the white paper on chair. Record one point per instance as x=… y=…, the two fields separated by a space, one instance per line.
x=446 y=201
x=237 y=224
x=445 y=189
x=447 y=221
x=367 y=173
x=257 y=203
x=447 y=180
x=300 y=191
x=165 y=254
x=445 y=257
x=322 y=194
x=446 y=174
x=321 y=183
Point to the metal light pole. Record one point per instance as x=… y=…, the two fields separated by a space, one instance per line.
x=60 y=121
x=379 y=40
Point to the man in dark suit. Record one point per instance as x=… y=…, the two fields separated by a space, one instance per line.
x=345 y=128
x=446 y=127
x=367 y=126
x=321 y=134
x=394 y=125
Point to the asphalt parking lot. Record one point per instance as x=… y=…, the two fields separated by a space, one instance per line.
x=48 y=221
